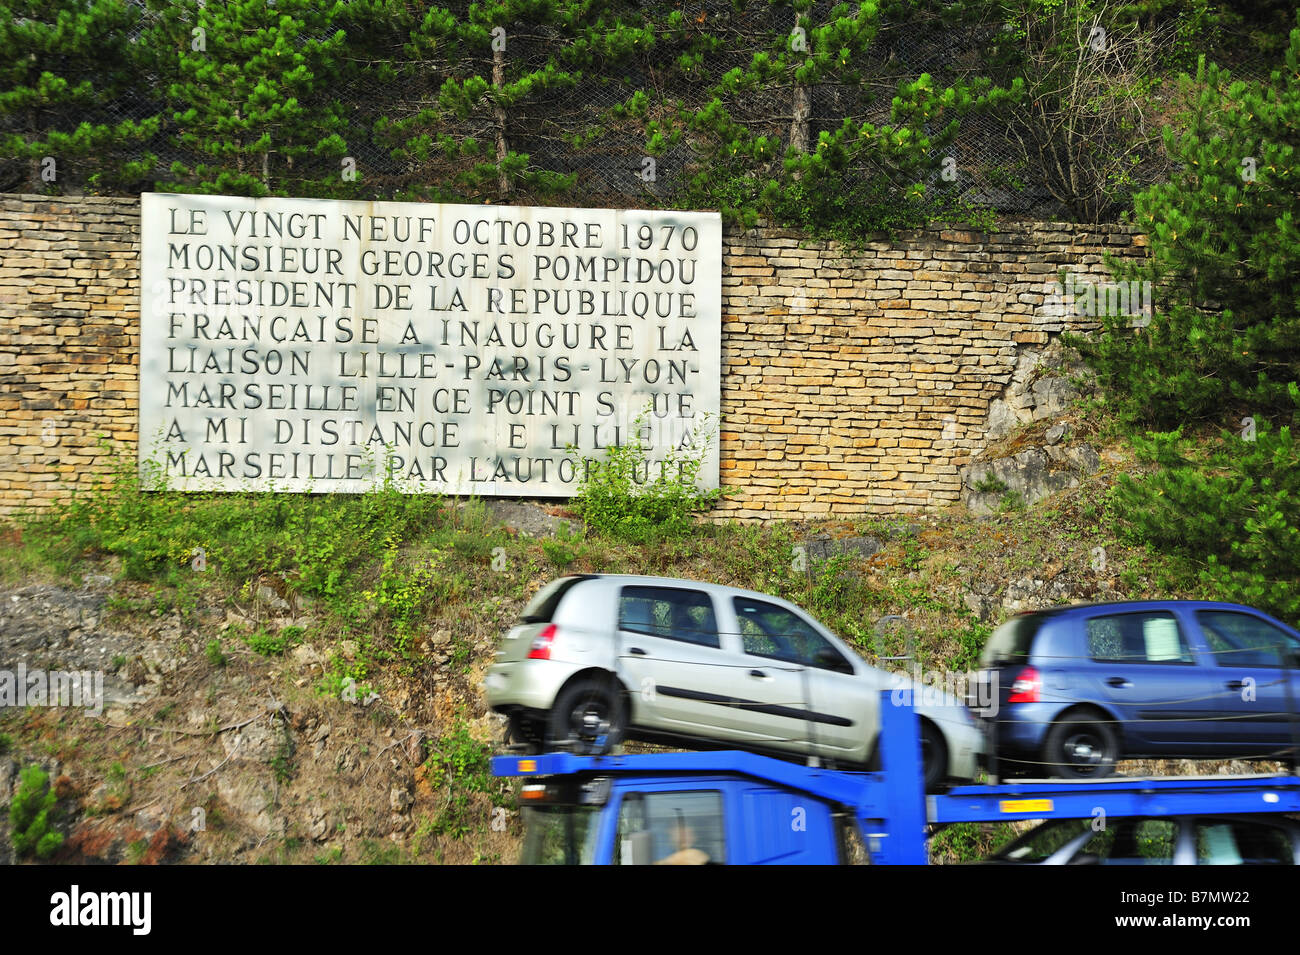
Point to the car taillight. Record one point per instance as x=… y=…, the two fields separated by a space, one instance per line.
x=1026 y=686
x=541 y=648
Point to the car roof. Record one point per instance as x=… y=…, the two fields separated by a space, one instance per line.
x=1085 y=609
x=719 y=590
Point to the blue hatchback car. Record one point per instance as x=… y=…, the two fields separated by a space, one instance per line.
x=1080 y=687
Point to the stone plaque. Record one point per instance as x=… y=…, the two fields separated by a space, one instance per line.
x=315 y=345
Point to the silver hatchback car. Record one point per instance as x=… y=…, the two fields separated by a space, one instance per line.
x=599 y=658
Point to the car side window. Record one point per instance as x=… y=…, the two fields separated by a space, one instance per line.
x=1243 y=640
x=1130 y=842
x=669 y=612
x=767 y=630
x=1234 y=842
x=1153 y=637
x=682 y=828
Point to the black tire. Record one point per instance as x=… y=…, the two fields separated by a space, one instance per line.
x=1081 y=747
x=587 y=718
x=934 y=756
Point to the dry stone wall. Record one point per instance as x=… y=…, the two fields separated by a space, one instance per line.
x=853 y=380
x=864 y=381
x=69 y=342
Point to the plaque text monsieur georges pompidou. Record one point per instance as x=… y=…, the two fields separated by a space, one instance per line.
x=318 y=345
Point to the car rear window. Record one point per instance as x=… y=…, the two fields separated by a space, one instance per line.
x=1011 y=642
x=542 y=607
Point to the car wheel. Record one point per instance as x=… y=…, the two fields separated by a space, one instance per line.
x=587 y=718
x=1081 y=747
x=934 y=756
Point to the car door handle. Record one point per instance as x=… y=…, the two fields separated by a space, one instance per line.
x=1120 y=682
x=1235 y=685
x=636 y=651
x=760 y=674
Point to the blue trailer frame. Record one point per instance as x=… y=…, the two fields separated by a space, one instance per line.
x=892 y=809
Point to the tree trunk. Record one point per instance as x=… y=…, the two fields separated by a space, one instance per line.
x=802 y=115
x=800 y=110
x=239 y=149
x=38 y=184
x=499 y=115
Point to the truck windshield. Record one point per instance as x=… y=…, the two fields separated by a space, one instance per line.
x=560 y=835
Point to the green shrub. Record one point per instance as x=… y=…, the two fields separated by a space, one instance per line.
x=970 y=641
x=969 y=841
x=321 y=545
x=629 y=497
x=463 y=764
x=461 y=760
x=408 y=589
x=31 y=814
x=558 y=552
x=990 y=484
x=214 y=654
x=272 y=645
x=832 y=587
x=1012 y=501
x=379 y=853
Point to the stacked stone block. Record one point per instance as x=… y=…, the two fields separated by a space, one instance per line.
x=69 y=341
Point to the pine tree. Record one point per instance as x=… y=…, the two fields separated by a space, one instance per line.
x=255 y=97
x=31 y=814
x=499 y=74
x=1225 y=261
x=1224 y=343
x=1231 y=505
x=760 y=147
x=67 y=68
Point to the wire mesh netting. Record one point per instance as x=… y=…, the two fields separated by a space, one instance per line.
x=577 y=123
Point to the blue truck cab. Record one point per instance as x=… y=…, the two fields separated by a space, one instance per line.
x=603 y=817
